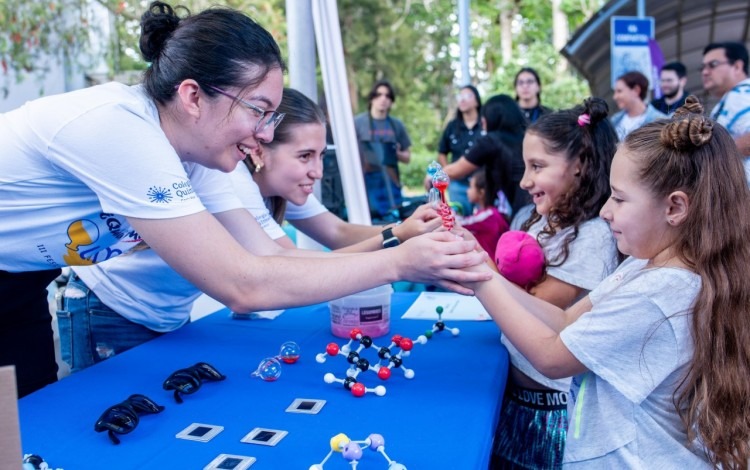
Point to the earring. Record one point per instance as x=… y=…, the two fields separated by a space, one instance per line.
x=258 y=167
x=671 y=221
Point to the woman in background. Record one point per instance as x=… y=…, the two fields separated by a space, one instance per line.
x=528 y=88
x=458 y=138
x=630 y=94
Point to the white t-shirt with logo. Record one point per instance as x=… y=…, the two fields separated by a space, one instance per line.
x=125 y=284
x=73 y=166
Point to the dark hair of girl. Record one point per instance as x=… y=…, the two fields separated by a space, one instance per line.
x=505 y=126
x=219 y=46
x=501 y=113
x=298 y=110
x=591 y=140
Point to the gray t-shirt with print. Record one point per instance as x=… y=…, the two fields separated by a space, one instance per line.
x=592 y=256
x=636 y=344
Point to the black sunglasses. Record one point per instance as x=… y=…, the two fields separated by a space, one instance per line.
x=188 y=381
x=122 y=418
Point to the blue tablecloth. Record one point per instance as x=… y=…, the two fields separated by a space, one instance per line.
x=444 y=418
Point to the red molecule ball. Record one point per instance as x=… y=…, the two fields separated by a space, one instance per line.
x=332 y=349
x=396 y=339
x=358 y=389
x=384 y=373
x=406 y=344
x=354 y=333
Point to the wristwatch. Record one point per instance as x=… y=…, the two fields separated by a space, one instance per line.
x=389 y=239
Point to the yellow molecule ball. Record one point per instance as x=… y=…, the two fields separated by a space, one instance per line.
x=339 y=441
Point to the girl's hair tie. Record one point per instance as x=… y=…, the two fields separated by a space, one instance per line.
x=584 y=119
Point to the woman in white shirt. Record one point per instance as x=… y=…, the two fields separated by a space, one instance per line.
x=111 y=307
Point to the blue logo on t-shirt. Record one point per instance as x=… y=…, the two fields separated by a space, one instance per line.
x=159 y=194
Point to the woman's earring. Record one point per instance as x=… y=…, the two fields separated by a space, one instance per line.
x=258 y=167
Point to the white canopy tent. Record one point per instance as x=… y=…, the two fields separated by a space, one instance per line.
x=323 y=15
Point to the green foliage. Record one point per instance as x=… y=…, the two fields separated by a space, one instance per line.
x=34 y=34
x=414 y=44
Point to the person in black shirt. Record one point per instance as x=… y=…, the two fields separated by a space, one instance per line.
x=529 y=94
x=672 y=81
x=458 y=138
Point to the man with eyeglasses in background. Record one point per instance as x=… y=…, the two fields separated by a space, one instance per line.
x=383 y=143
x=725 y=74
x=672 y=81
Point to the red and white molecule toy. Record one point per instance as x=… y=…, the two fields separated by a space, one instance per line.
x=352 y=451
x=389 y=358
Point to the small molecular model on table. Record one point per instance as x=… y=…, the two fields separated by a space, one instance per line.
x=351 y=451
x=390 y=357
x=269 y=368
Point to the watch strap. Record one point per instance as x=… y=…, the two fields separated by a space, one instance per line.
x=389 y=239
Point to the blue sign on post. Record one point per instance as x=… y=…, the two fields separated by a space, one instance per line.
x=629 y=45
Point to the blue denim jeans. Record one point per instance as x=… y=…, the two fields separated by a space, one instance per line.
x=91 y=332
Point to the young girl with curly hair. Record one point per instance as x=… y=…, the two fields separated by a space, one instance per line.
x=567 y=155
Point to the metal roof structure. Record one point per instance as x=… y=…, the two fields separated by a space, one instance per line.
x=683 y=29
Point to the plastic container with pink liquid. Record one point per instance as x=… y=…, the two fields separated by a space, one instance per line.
x=369 y=310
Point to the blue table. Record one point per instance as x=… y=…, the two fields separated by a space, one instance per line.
x=444 y=418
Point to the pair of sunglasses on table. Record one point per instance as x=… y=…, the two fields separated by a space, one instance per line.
x=123 y=417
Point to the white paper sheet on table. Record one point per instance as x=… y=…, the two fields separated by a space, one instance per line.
x=455 y=307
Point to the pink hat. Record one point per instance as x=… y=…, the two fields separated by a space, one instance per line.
x=519 y=258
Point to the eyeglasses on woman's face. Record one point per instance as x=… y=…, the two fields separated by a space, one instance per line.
x=265 y=118
x=527 y=82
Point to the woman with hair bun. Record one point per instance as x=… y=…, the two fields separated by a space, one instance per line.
x=660 y=350
x=87 y=175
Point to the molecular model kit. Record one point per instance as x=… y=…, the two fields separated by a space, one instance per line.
x=389 y=358
x=352 y=451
